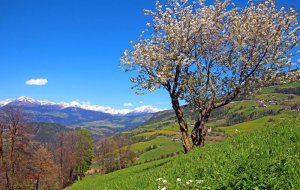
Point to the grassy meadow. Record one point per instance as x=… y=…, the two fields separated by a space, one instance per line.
x=250 y=147
x=266 y=158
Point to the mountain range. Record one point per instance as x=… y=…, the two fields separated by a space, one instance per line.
x=27 y=101
x=98 y=119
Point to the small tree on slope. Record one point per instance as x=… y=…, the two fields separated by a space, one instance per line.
x=208 y=55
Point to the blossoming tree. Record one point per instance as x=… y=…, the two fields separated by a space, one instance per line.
x=239 y=51
x=208 y=55
x=162 y=60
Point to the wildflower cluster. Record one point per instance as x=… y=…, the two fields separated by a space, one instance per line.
x=163 y=184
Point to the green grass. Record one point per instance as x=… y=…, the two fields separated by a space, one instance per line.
x=159 y=132
x=121 y=179
x=242 y=106
x=161 y=147
x=258 y=123
x=154 y=126
x=142 y=146
x=162 y=151
x=284 y=86
x=217 y=123
x=267 y=158
x=246 y=126
x=143 y=176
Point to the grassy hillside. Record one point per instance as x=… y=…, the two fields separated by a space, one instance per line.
x=270 y=100
x=248 y=126
x=160 y=137
x=266 y=158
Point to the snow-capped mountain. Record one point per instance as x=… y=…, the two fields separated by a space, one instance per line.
x=5 y=102
x=143 y=110
x=101 y=120
x=27 y=101
x=76 y=114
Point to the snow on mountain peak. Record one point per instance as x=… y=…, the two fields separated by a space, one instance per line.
x=26 y=99
x=5 y=102
x=86 y=106
x=148 y=109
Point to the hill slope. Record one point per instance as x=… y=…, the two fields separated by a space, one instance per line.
x=265 y=159
x=267 y=101
x=44 y=132
x=159 y=137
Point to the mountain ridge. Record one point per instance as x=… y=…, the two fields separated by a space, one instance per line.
x=74 y=114
x=28 y=101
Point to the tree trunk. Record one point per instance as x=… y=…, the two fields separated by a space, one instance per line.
x=7 y=177
x=71 y=175
x=182 y=125
x=195 y=134
x=1 y=149
x=36 y=185
x=11 y=155
x=199 y=132
x=61 y=174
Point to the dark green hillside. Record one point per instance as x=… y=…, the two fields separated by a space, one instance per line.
x=44 y=132
x=107 y=127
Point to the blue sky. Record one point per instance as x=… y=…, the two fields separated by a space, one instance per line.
x=76 y=45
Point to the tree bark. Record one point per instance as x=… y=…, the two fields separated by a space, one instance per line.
x=182 y=125
x=195 y=134
x=199 y=131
